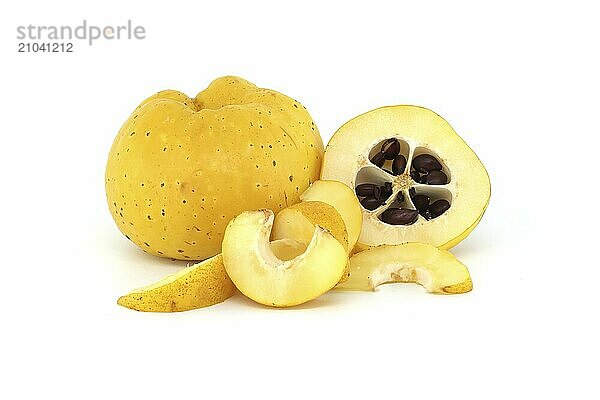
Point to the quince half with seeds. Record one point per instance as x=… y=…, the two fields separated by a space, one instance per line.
x=416 y=179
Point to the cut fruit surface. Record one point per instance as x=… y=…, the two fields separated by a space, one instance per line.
x=260 y=275
x=287 y=249
x=417 y=180
x=436 y=270
x=342 y=198
x=200 y=285
x=298 y=222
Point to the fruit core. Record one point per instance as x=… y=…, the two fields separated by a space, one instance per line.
x=403 y=185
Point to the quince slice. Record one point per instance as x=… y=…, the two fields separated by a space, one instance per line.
x=298 y=222
x=436 y=270
x=200 y=285
x=343 y=199
x=267 y=279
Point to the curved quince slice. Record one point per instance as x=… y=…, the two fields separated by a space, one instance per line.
x=260 y=275
x=416 y=162
x=436 y=270
x=299 y=220
x=343 y=199
x=200 y=285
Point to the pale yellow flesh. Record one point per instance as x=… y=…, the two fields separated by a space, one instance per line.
x=343 y=199
x=266 y=279
x=436 y=270
x=287 y=249
x=197 y=286
x=347 y=153
x=299 y=220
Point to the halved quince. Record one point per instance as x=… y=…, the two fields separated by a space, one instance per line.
x=260 y=275
x=200 y=285
x=343 y=199
x=436 y=270
x=417 y=180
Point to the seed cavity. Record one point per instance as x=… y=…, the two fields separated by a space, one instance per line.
x=390 y=155
x=431 y=203
x=403 y=185
x=427 y=169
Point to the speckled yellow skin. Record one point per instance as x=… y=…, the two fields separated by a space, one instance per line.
x=197 y=286
x=181 y=168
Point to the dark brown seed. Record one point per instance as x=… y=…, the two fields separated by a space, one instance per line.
x=415 y=176
x=365 y=189
x=423 y=178
x=399 y=165
x=427 y=214
x=377 y=192
x=370 y=203
x=426 y=163
x=436 y=178
x=400 y=197
x=378 y=159
x=421 y=202
x=399 y=216
x=390 y=148
x=386 y=190
x=439 y=207
x=412 y=192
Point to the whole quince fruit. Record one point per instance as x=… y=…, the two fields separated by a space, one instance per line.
x=180 y=168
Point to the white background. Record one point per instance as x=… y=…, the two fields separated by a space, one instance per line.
x=517 y=80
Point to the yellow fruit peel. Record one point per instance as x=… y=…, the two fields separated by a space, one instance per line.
x=200 y=285
x=343 y=199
